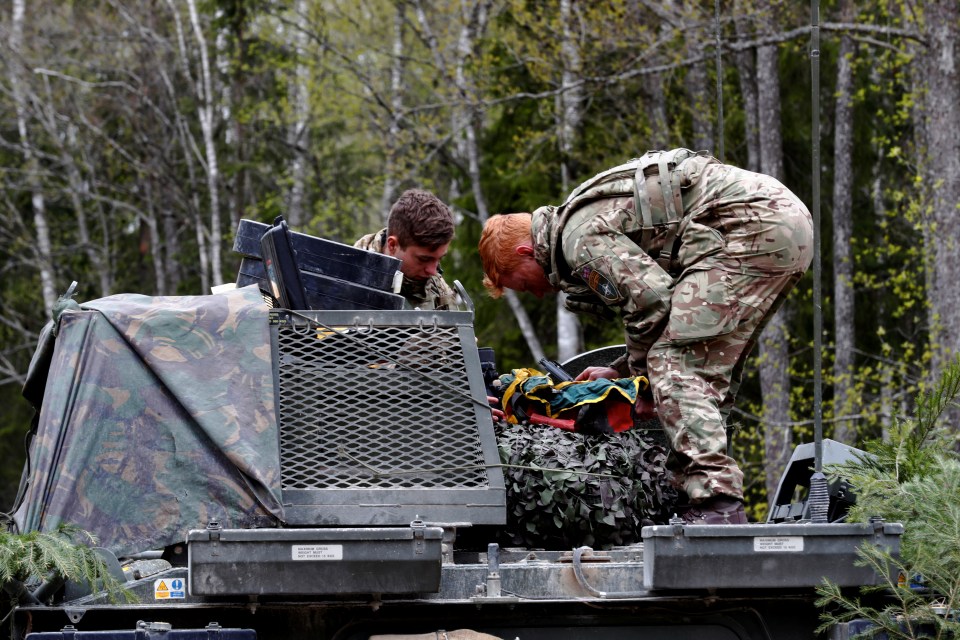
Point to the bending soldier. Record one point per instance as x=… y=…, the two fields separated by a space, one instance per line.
x=695 y=256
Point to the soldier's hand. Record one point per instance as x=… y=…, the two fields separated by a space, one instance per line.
x=596 y=373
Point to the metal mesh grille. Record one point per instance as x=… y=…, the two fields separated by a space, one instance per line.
x=352 y=404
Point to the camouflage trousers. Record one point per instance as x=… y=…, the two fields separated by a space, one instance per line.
x=716 y=317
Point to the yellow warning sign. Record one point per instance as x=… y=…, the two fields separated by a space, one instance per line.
x=169 y=589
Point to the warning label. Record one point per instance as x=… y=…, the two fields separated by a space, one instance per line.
x=778 y=544
x=169 y=589
x=318 y=552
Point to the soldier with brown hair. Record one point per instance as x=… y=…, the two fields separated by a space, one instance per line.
x=695 y=256
x=418 y=233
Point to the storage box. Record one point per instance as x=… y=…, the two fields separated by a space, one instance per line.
x=148 y=631
x=280 y=262
x=236 y=562
x=322 y=292
x=326 y=293
x=325 y=257
x=252 y=271
x=761 y=556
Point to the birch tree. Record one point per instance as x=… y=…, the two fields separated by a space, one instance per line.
x=206 y=111
x=570 y=115
x=43 y=254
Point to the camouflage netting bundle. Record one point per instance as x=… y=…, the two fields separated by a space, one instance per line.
x=562 y=507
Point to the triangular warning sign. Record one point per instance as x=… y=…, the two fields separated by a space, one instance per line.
x=162 y=586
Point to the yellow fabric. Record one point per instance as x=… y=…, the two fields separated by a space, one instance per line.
x=565 y=396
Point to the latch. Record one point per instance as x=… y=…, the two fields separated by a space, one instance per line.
x=214 y=528
x=419 y=528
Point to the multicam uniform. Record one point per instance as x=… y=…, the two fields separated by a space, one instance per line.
x=432 y=293
x=694 y=289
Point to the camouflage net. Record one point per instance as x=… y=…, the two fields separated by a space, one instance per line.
x=561 y=507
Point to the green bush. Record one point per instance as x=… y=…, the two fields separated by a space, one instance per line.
x=913 y=478
x=63 y=554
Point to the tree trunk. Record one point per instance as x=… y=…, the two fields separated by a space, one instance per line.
x=206 y=112
x=941 y=66
x=655 y=103
x=747 y=73
x=570 y=116
x=396 y=105
x=699 y=99
x=43 y=250
x=844 y=401
x=774 y=350
x=187 y=146
x=156 y=253
x=298 y=130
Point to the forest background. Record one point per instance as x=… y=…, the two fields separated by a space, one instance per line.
x=135 y=134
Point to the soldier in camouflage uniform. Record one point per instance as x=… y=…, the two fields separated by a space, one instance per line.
x=419 y=231
x=696 y=256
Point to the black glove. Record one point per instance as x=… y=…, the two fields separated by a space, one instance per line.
x=588 y=303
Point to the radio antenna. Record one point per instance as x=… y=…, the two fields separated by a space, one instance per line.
x=819 y=499
x=716 y=7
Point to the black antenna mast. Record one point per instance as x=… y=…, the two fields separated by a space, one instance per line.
x=819 y=498
x=716 y=7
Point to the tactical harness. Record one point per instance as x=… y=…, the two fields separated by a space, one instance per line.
x=653 y=182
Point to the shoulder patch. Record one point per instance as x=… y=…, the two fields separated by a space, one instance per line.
x=599 y=284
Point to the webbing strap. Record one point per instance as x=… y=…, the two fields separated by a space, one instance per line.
x=640 y=197
x=668 y=185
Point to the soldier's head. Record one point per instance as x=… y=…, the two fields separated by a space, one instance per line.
x=419 y=231
x=506 y=249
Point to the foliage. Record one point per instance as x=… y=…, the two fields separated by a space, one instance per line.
x=554 y=500
x=64 y=553
x=914 y=479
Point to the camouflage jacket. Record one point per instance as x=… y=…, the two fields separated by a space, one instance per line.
x=596 y=248
x=432 y=293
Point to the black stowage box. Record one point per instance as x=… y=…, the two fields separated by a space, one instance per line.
x=325 y=293
x=281 y=266
x=321 y=292
x=148 y=631
x=244 y=562
x=325 y=257
x=252 y=271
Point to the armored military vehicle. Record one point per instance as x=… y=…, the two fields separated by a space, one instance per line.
x=335 y=474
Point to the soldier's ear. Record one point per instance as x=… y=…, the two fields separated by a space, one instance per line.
x=392 y=245
x=524 y=249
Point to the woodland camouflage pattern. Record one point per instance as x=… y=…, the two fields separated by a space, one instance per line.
x=432 y=293
x=745 y=242
x=158 y=417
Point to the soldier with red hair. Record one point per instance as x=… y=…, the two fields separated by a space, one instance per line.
x=694 y=256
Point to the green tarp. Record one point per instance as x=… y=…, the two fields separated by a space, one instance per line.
x=157 y=417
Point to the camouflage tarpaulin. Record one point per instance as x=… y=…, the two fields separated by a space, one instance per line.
x=158 y=417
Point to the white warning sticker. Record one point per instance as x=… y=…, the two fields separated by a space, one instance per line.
x=169 y=589
x=318 y=552
x=778 y=544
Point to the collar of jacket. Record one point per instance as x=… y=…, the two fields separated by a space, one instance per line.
x=543 y=230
